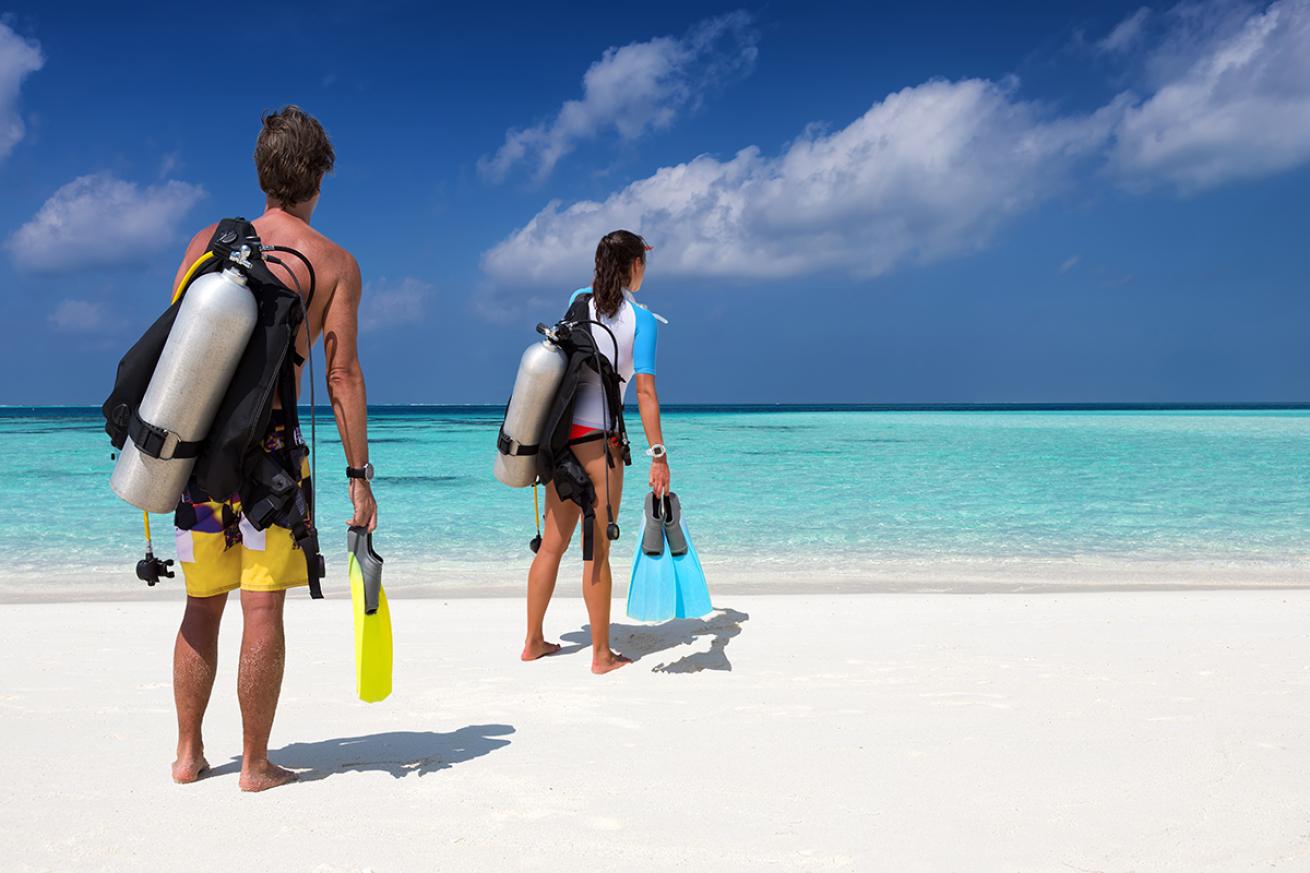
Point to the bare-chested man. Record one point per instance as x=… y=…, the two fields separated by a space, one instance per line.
x=292 y=155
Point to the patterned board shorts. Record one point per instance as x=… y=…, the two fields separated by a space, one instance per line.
x=219 y=550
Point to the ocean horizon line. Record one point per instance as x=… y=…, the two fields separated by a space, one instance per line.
x=1071 y=406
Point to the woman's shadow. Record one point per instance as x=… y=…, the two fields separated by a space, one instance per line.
x=399 y=753
x=636 y=641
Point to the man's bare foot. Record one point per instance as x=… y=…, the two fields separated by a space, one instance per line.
x=607 y=662
x=533 y=651
x=189 y=768
x=265 y=776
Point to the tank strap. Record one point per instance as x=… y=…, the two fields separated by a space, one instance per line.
x=156 y=442
x=508 y=446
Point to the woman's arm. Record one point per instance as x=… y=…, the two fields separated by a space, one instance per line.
x=648 y=403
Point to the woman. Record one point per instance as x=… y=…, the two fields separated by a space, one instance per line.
x=620 y=269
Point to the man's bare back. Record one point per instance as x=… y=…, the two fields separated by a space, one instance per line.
x=336 y=272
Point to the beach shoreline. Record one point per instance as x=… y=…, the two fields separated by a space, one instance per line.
x=807 y=576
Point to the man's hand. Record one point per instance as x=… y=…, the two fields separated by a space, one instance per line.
x=366 y=508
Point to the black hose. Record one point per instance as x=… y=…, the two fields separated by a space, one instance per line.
x=309 y=345
x=595 y=354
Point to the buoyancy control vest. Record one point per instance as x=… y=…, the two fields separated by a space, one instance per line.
x=232 y=459
x=553 y=449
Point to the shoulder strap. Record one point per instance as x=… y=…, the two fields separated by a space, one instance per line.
x=230 y=235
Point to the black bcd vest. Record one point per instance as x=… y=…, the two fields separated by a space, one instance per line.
x=232 y=459
x=555 y=459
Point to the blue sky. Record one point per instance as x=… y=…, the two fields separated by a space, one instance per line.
x=873 y=203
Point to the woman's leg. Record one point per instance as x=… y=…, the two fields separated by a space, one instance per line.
x=561 y=519
x=597 y=581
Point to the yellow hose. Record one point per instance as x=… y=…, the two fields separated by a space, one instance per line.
x=186 y=279
x=145 y=519
x=536 y=507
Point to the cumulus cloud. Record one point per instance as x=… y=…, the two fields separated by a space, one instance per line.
x=934 y=170
x=99 y=220
x=19 y=58
x=1126 y=34
x=1231 y=99
x=386 y=304
x=928 y=172
x=633 y=89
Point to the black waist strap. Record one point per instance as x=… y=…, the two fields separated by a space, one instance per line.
x=591 y=437
x=156 y=442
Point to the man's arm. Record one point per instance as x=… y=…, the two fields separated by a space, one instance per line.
x=345 y=382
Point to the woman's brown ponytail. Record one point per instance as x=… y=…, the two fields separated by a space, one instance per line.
x=614 y=256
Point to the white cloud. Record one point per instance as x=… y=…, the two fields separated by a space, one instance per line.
x=1232 y=99
x=83 y=316
x=928 y=172
x=633 y=89
x=100 y=220
x=18 y=59
x=1070 y=263
x=385 y=304
x=1126 y=34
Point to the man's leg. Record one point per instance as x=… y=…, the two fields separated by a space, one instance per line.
x=195 y=663
x=259 y=682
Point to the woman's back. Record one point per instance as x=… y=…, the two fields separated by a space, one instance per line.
x=634 y=331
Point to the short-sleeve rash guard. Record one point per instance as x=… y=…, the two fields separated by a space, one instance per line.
x=636 y=331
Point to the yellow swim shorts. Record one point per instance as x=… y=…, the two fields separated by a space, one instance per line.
x=219 y=550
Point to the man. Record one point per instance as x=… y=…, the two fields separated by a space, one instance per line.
x=292 y=155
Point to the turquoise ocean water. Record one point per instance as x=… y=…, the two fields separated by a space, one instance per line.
x=777 y=498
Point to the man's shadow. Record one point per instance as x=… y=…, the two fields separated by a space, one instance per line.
x=636 y=641
x=399 y=753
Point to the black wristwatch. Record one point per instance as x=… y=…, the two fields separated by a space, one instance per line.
x=365 y=472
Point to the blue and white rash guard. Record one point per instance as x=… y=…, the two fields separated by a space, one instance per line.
x=635 y=328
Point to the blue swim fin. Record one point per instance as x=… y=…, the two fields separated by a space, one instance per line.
x=652 y=590
x=693 y=593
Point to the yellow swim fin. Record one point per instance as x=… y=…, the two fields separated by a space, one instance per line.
x=372 y=618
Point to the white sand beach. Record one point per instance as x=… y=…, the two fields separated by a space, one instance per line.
x=1110 y=731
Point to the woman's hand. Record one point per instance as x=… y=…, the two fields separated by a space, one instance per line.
x=366 y=508
x=659 y=476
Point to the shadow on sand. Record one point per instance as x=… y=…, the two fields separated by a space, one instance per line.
x=637 y=641
x=399 y=753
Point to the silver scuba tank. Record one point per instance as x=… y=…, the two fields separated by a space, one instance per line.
x=209 y=336
x=540 y=371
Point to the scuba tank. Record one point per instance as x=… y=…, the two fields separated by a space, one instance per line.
x=540 y=371
x=213 y=326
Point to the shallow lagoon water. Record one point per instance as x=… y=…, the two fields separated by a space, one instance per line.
x=784 y=492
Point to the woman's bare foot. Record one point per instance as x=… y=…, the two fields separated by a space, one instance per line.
x=189 y=768
x=262 y=777
x=607 y=662
x=533 y=651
